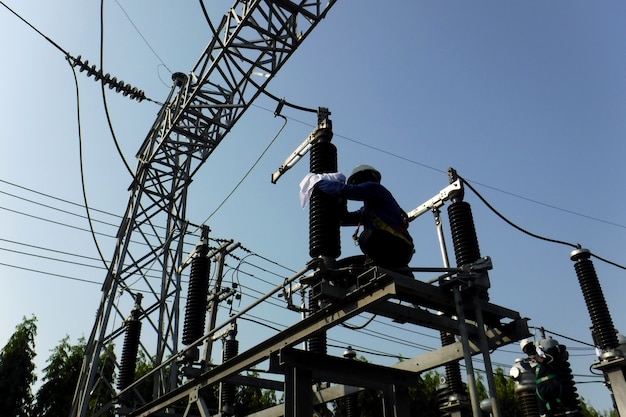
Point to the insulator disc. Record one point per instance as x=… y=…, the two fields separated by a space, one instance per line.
x=323 y=158
x=529 y=403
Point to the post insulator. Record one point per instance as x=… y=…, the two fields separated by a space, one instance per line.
x=450 y=402
x=465 y=243
x=130 y=348
x=324 y=209
x=603 y=329
x=464 y=237
x=352 y=406
x=316 y=343
x=454 y=379
x=525 y=387
x=324 y=216
x=231 y=349
x=196 y=307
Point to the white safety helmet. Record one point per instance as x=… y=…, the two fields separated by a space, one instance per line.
x=525 y=345
x=361 y=171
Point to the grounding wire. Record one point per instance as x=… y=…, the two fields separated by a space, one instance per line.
x=91 y=209
x=117 y=143
x=56 y=208
x=246 y=262
x=413 y=162
x=273 y=262
x=68 y=56
x=50 y=258
x=48 y=273
x=142 y=37
x=82 y=169
x=22 y=213
x=569 y=338
x=13 y=242
x=54 y=198
x=261 y=269
x=248 y=172
x=509 y=222
x=360 y=326
x=104 y=100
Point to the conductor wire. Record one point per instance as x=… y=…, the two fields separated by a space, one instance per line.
x=35 y=29
x=510 y=223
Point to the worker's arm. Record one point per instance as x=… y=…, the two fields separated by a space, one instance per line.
x=359 y=192
x=340 y=189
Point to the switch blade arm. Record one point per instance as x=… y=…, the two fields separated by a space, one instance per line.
x=437 y=201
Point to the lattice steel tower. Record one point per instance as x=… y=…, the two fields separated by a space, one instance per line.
x=254 y=36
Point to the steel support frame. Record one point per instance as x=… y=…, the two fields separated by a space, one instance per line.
x=614 y=369
x=382 y=286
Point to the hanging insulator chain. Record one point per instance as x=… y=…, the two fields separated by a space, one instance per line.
x=127 y=90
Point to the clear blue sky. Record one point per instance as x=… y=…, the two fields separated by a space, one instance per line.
x=526 y=100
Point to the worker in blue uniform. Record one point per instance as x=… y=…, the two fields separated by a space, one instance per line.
x=385 y=238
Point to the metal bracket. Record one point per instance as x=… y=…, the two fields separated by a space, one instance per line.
x=322 y=131
x=438 y=200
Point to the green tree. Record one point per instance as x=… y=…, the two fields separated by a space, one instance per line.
x=250 y=399
x=589 y=411
x=17 y=370
x=424 y=396
x=510 y=405
x=423 y=399
x=104 y=392
x=54 y=397
x=145 y=389
x=509 y=402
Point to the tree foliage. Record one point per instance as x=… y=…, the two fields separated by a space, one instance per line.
x=103 y=392
x=250 y=399
x=506 y=395
x=589 y=411
x=54 y=397
x=369 y=402
x=17 y=370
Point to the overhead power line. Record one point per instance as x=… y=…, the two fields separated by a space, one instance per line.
x=424 y=165
x=380 y=331
x=112 y=82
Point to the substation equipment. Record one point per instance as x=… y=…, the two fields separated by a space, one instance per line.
x=257 y=37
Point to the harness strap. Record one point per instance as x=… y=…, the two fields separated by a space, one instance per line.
x=545 y=378
x=380 y=224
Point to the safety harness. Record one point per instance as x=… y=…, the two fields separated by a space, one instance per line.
x=380 y=224
x=542 y=380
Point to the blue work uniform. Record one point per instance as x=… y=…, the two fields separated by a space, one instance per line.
x=385 y=238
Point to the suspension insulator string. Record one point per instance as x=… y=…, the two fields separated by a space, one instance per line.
x=127 y=90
